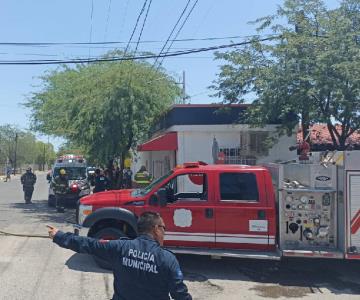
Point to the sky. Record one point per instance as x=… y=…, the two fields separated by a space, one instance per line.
x=69 y=21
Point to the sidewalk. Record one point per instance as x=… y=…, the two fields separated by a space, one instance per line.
x=17 y=176
x=3 y=177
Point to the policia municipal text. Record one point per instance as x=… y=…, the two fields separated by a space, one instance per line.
x=142 y=268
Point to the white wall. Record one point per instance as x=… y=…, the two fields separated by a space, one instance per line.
x=195 y=144
x=280 y=151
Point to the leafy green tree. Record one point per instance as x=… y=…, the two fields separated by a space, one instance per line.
x=310 y=66
x=103 y=108
x=20 y=147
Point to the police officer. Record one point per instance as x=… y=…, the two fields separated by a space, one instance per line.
x=101 y=182
x=142 y=268
x=127 y=178
x=28 y=180
x=60 y=185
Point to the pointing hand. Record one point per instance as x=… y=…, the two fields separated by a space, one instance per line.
x=52 y=231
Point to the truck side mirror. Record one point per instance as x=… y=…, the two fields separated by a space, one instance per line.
x=48 y=177
x=162 y=196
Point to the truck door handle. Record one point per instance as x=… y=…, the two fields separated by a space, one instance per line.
x=261 y=215
x=209 y=213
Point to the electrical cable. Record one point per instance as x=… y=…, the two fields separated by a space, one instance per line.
x=178 y=32
x=136 y=24
x=142 y=28
x=123 y=42
x=137 y=44
x=172 y=31
x=24 y=235
x=140 y=57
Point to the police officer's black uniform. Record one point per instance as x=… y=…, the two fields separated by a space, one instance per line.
x=101 y=183
x=142 y=268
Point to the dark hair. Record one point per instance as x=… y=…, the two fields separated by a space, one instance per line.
x=147 y=221
x=97 y=171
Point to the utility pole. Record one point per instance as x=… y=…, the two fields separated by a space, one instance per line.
x=16 y=141
x=43 y=167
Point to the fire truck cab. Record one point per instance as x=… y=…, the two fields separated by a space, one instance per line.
x=205 y=208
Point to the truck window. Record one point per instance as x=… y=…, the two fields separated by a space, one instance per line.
x=238 y=187
x=189 y=187
x=73 y=173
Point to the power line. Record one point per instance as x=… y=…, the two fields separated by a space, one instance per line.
x=136 y=24
x=140 y=57
x=142 y=28
x=123 y=42
x=179 y=30
x=138 y=41
x=172 y=31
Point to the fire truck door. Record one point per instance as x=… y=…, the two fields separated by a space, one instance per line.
x=242 y=212
x=189 y=214
x=353 y=192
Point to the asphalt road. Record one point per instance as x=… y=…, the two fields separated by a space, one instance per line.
x=35 y=268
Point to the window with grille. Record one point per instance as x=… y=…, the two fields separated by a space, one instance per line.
x=257 y=142
x=234 y=156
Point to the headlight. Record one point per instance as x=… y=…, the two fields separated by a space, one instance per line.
x=84 y=211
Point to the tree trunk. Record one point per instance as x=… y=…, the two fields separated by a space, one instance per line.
x=305 y=125
x=333 y=132
x=122 y=167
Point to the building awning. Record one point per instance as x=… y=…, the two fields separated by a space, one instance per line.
x=164 y=142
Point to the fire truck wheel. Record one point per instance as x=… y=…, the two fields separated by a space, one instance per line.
x=51 y=201
x=108 y=233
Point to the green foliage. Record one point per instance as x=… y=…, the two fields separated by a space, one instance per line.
x=28 y=149
x=103 y=108
x=312 y=69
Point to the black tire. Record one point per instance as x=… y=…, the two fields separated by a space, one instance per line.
x=108 y=233
x=51 y=201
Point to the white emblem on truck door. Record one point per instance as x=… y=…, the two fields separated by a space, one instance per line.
x=258 y=225
x=182 y=217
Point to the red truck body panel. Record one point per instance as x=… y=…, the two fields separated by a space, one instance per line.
x=210 y=222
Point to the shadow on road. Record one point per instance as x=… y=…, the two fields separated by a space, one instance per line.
x=84 y=263
x=40 y=210
x=288 y=278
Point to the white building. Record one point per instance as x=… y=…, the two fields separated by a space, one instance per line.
x=207 y=133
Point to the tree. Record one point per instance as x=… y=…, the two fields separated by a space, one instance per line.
x=310 y=66
x=23 y=145
x=103 y=108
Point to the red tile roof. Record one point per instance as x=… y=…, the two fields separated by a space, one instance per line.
x=320 y=135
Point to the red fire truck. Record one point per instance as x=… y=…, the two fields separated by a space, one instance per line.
x=264 y=212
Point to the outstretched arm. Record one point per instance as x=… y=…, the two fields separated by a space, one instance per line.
x=101 y=248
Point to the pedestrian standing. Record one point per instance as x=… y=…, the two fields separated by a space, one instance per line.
x=101 y=183
x=8 y=174
x=142 y=268
x=117 y=178
x=127 y=178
